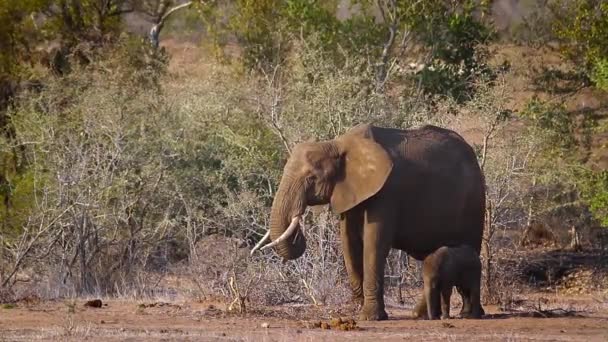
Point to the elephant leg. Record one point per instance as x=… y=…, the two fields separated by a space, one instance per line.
x=446 y=293
x=351 y=224
x=433 y=299
x=377 y=238
x=420 y=308
x=475 y=299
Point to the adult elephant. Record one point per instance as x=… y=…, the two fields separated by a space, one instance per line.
x=414 y=190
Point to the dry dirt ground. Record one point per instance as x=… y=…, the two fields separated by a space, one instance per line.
x=574 y=319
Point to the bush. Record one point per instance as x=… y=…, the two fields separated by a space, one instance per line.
x=458 y=58
x=553 y=122
x=128 y=170
x=595 y=192
x=571 y=189
x=600 y=73
x=582 y=25
x=131 y=169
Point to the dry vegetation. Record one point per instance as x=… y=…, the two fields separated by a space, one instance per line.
x=145 y=177
x=197 y=258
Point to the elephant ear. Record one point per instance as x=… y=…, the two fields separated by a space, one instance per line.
x=365 y=167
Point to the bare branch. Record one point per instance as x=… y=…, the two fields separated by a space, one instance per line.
x=155 y=30
x=274 y=87
x=382 y=73
x=30 y=244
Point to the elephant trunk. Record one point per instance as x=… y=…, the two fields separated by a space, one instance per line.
x=287 y=208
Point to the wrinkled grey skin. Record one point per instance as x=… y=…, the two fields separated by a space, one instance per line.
x=441 y=271
x=415 y=190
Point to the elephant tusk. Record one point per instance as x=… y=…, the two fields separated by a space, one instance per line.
x=292 y=227
x=260 y=243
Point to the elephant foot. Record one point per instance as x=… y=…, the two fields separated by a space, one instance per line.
x=471 y=315
x=417 y=314
x=445 y=317
x=464 y=313
x=373 y=313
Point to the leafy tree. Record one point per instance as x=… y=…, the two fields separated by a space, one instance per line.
x=450 y=34
x=560 y=165
x=257 y=25
x=19 y=32
x=46 y=32
x=595 y=193
x=582 y=25
x=554 y=123
x=599 y=74
x=453 y=35
x=266 y=30
x=17 y=37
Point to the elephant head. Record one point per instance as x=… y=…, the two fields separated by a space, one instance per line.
x=344 y=172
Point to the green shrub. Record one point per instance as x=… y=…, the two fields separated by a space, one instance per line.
x=455 y=37
x=558 y=163
x=595 y=192
x=17 y=200
x=582 y=25
x=451 y=34
x=600 y=73
x=553 y=122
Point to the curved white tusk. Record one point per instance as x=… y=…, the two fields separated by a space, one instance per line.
x=292 y=227
x=260 y=243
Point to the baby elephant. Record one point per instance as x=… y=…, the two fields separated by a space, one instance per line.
x=448 y=267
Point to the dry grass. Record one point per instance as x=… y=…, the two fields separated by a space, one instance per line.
x=192 y=251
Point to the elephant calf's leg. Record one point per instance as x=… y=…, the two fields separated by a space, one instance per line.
x=352 y=246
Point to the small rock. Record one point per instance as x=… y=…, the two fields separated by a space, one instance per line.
x=102 y=322
x=265 y=325
x=95 y=303
x=447 y=325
